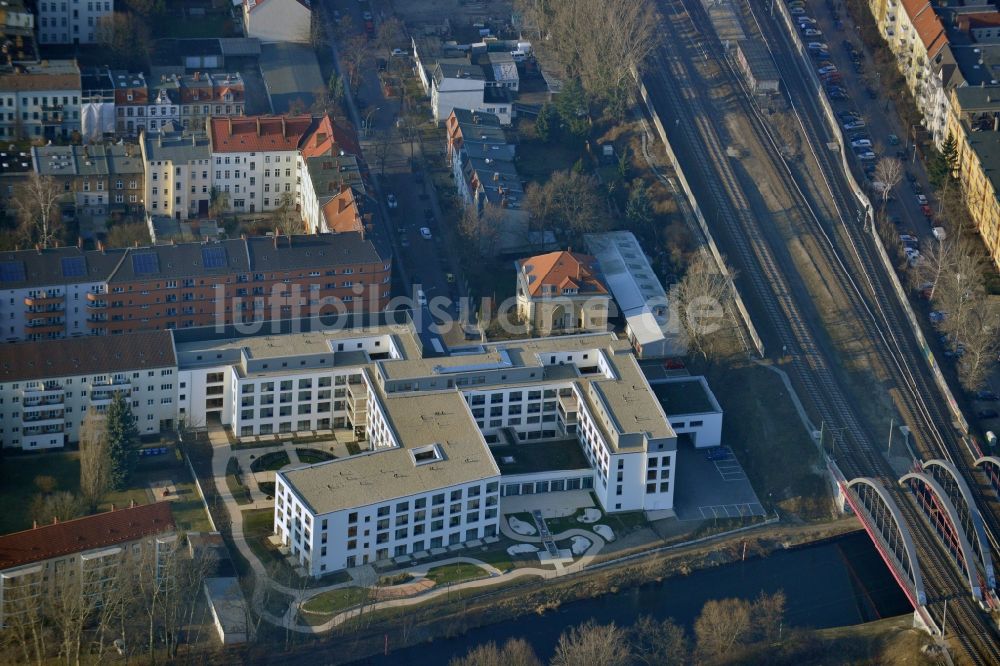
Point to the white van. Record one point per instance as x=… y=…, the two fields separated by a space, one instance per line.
x=939 y=233
x=421 y=297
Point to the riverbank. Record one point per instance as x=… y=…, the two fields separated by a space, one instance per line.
x=461 y=611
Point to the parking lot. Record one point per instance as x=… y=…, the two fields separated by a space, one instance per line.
x=713 y=488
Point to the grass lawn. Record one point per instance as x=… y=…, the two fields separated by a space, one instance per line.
x=270 y=462
x=334 y=601
x=239 y=491
x=17 y=483
x=455 y=573
x=498 y=557
x=313 y=456
x=559 y=525
x=764 y=430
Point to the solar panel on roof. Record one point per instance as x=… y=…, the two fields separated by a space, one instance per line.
x=213 y=257
x=12 y=271
x=74 y=267
x=145 y=263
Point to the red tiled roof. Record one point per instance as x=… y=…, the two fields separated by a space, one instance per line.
x=260 y=133
x=928 y=25
x=341 y=212
x=321 y=141
x=980 y=20
x=73 y=536
x=562 y=270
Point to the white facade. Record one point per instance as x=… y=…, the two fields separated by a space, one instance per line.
x=63 y=305
x=463 y=93
x=277 y=20
x=437 y=518
x=71 y=21
x=43 y=414
x=41 y=111
x=178 y=173
x=256 y=181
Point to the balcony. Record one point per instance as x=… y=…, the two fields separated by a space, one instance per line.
x=56 y=428
x=95 y=304
x=54 y=308
x=40 y=328
x=44 y=420
x=47 y=299
x=102 y=394
x=40 y=396
x=43 y=318
x=568 y=408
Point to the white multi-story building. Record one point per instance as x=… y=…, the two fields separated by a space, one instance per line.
x=278 y=20
x=258 y=160
x=178 y=172
x=46 y=388
x=478 y=425
x=71 y=21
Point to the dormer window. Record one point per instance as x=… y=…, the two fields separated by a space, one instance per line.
x=569 y=291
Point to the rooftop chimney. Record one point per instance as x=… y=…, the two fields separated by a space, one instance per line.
x=283 y=127
x=258 y=125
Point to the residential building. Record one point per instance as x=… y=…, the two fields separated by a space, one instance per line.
x=457 y=83
x=278 y=20
x=186 y=101
x=483 y=167
x=479 y=129
x=501 y=70
x=973 y=122
x=178 y=171
x=256 y=159
x=651 y=326
x=99 y=181
x=327 y=178
x=131 y=100
x=15 y=168
x=40 y=100
x=65 y=292
x=204 y=95
x=444 y=437
x=47 y=386
x=72 y=21
x=17 y=31
x=38 y=563
x=561 y=292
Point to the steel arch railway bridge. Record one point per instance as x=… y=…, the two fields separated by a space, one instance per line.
x=946 y=505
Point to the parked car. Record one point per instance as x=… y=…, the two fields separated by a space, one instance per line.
x=893 y=140
x=847 y=115
x=921 y=200
x=819 y=55
x=827 y=69
x=425 y=233
x=907 y=238
x=421 y=297
x=839 y=95
x=817 y=46
x=794 y=11
x=861 y=143
x=812 y=32
x=805 y=19
x=987 y=395
x=390 y=199
x=866 y=155
x=854 y=124
x=937 y=316
x=399 y=52
x=987 y=414
x=926 y=210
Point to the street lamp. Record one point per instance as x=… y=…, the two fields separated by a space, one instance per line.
x=368 y=119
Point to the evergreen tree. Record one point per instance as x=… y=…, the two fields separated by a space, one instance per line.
x=572 y=107
x=122 y=441
x=547 y=123
x=949 y=154
x=639 y=210
x=941 y=168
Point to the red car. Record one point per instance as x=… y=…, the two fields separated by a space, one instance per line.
x=673 y=364
x=926 y=210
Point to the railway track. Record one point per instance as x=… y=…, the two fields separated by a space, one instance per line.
x=679 y=93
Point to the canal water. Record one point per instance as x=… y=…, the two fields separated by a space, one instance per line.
x=834 y=583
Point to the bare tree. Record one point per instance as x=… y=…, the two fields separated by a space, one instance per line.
x=657 y=643
x=723 y=625
x=568 y=201
x=598 y=41
x=94 y=459
x=287 y=220
x=515 y=652
x=888 y=174
x=127 y=234
x=592 y=643
x=60 y=505
x=700 y=300
x=482 y=229
x=218 y=202
x=37 y=204
x=768 y=613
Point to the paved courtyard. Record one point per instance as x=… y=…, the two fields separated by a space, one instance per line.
x=712 y=488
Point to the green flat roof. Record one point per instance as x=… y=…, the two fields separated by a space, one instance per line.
x=683 y=397
x=540 y=456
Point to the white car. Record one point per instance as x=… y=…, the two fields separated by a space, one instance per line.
x=861 y=143
x=866 y=156
x=809 y=32
x=421 y=297
x=399 y=52
x=391 y=200
x=805 y=19
x=817 y=46
x=425 y=233
x=829 y=69
x=921 y=200
x=854 y=125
